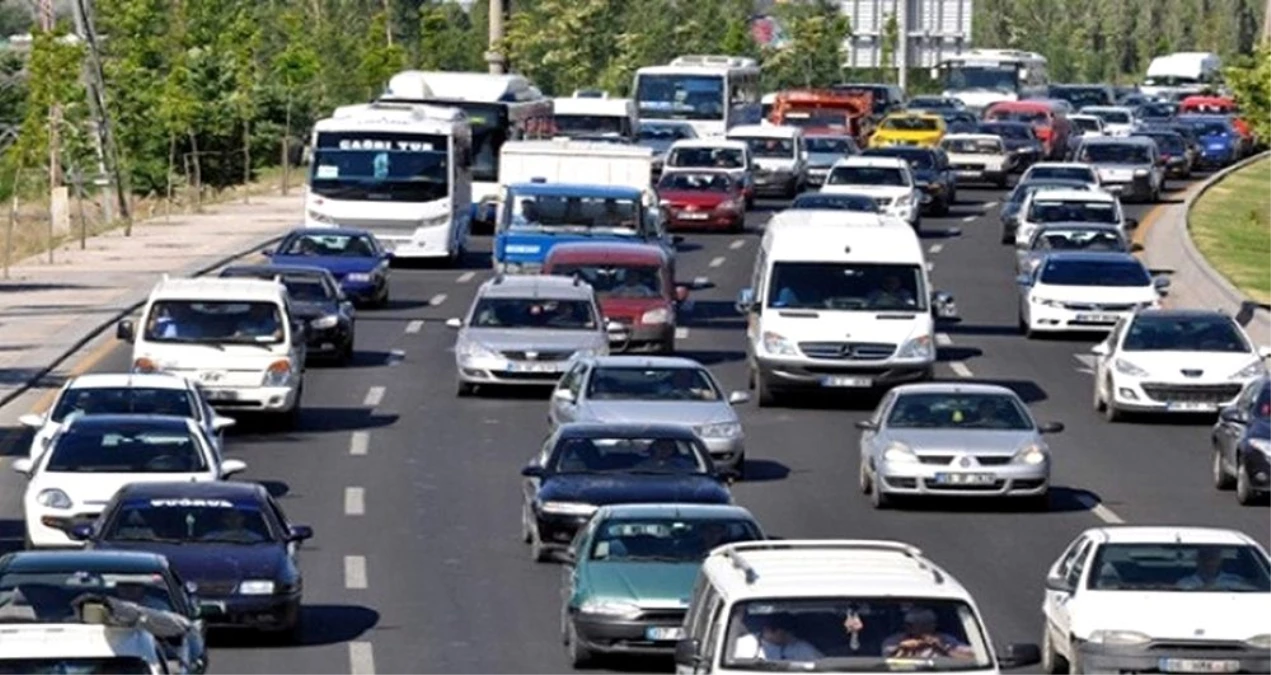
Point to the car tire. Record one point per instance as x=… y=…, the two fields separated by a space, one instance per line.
x=1246 y=495
x=864 y=481
x=464 y=389
x=943 y=208
x=667 y=345
x=1053 y=662
x=527 y=536
x=1111 y=413
x=1223 y=480
x=1003 y=182
x=878 y=499
x=579 y=655
x=290 y=420
x=538 y=552
x=766 y=397
x=382 y=301
x=27 y=544
x=346 y=354
x=918 y=224
x=1007 y=237
x=294 y=634
x=739 y=473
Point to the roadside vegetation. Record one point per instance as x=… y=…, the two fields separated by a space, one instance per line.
x=1231 y=225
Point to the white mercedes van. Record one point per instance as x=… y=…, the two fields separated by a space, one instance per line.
x=839 y=306
x=236 y=338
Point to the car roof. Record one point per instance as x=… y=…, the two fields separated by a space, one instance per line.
x=586 y=190
x=1070 y=195
x=625 y=430
x=222 y=289
x=764 y=131
x=953 y=388
x=114 y=421
x=1193 y=313
x=1079 y=225
x=608 y=252
x=128 y=381
x=873 y=161
x=827 y=217
x=88 y=560
x=843 y=243
x=641 y=361
x=1069 y=165
x=1168 y=534
x=535 y=286
x=709 y=142
x=1118 y=140
x=912 y=114
x=279 y=270
x=670 y=510
x=971 y=137
x=1093 y=256
x=222 y=489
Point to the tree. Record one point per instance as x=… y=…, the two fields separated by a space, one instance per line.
x=446 y=38
x=1250 y=81
x=887 y=50
x=379 y=58
x=813 y=57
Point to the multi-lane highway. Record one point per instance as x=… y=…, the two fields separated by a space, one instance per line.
x=417 y=565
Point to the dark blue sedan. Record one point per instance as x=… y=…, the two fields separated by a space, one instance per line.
x=1242 y=444
x=354 y=257
x=229 y=539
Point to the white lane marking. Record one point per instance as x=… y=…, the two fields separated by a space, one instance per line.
x=415 y=326
x=681 y=332
x=989 y=205
x=717 y=261
x=437 y=299
x=936 y=248
x=395 y=357
x=359 y=443
x=373 y=397
x=1099 y=510
x=969 y=218
x=943 y=339
x=354 y=501
x=738 y=243
x=354 y=571
x=960 y=369
x=465 y=277
x=699 y=282
x=361 y=658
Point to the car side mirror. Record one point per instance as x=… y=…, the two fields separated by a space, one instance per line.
x=738 y=397
x=454 y=323
x=23 y=466
x=1131 y=223
x=387 y=255
x=943 y=305
x=268 y=253
x=688 y=652
x=1058 y=584
x=299 y=533
x=681 y=293
x=125 y=331
x=31 y=420
x=223 y=423
x=298 y=333
x=1100 y=349
x=1234 y=415
x=866 y=425
x=1018 y=655
x=1024 y=280
x=532 y=471
x=1161 y=283
x=232 y=466
x=1050 y=427
x=746 y=301
x=1264 y=352
x=81 y=532
x=563 y=395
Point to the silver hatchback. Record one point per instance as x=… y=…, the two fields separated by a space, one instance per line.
x=526 y=330
x=954 y=440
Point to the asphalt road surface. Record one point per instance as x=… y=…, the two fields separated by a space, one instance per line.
x=414 y=494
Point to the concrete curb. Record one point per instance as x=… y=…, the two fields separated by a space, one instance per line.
x=1244 y=308
x=93 y=327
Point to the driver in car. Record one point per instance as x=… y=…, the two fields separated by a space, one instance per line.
x=233 y=527
x=892 y=294
x=921 y=640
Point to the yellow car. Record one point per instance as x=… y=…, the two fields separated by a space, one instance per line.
x=919 y=129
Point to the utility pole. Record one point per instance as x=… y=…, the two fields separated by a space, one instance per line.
x=498 y=63
x=97 y=101
x=55 y=110
x=902 y=45
x=1266 y=22
x=96 y=114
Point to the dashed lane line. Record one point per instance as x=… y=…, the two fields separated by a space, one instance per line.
x=989 y=205
x=935 y=248
x=681 y=332
x=415 y=326
x=716 y=262
x=737 y=243
x=355 y=572
x=959 y=368
x=354 y=501
x=437 y=299
x=1099 y=510
x=361 y=658
x=373 y=397
x=359 y=443
x=970 y=218
x=465 y=277
x=943 y=339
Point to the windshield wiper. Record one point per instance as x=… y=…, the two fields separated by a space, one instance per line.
x=780 y=666
x=160 y=540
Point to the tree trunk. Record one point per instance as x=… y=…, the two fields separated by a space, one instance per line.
x=172 y=159
x=247 y=160
x=286 y=145
x=198 y=173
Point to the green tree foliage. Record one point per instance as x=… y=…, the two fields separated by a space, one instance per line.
x=814 y=55
x=1250 y=81
x=451 y=39
x=53 y=75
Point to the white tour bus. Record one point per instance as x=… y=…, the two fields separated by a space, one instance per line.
x=981 y=77
x=400 y=170
x=500 y=108
x=592 y=117
x=712 y=93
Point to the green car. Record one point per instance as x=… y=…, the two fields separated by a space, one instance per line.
x=632 y=572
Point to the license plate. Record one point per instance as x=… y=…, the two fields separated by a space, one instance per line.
x=221 y=394
x=843 y=381
x=1191 y=406
x=695 y=215
x=532 y=367
x=1199 y=666
x=1097 y=318
x=968 y=173
x=965 y=478
x=663 y=633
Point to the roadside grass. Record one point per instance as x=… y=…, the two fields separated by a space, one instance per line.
x=1231 y=225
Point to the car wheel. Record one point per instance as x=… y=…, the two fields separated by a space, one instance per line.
x=579 y=655
x=1097 y=403
x=1008 y=237
x=943 y=208
x=866 y=484
x=877 y=498
x=464 y=389
x=750 y=378
x=1111 y=413
x=291 y=419
x=538 y=552
x=527 y=536
x=667 y=346
x=1223 y=480
x=1052 y=661
x=766 y=397
x=294 y=634
x=918 y=224
x=740 y=472
x=346 y=354
x=382 y=301
x=1246 y=495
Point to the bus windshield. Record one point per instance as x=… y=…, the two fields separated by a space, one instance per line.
x=993 y=78
x=381 y=166
x=686 y=97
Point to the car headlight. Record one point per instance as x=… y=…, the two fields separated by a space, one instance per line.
x=328 y=321
x=720 y=430
x=319 y=217
x=1250 y=371
x=899 y=453
x=359 y=277
x=1140 y=172
x=1260 y=641
x=1126 y=368
x=609 y=608
x=659 y=315
x=277 y=373
x=775 y=343
x=54 y=499
x=256 y=587
x=1119 y=637
x=475 y=350
x=1032 y=454
x=903 y=201
x=1045 y=302
x=917 y=348
x=1262 y=445
x=568 y=508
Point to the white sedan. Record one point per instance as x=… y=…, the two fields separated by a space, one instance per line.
x=1158 y=600
x=122 y=393
x=92 y=456
x=1083 y=291
x=1175 y=360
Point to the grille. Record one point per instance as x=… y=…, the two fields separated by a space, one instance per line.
x=659 y=616
x=967 y=167
x=943 y=460
x=535 y=377
x=882 y=202
x=995 y=460
x=215 y=588
x=538 y=356
x=991 y=487
x=860 y=351
x=1191 y=393
x=1197 y=646
x=939 y=460
x=1092 y=307
x=396 y=226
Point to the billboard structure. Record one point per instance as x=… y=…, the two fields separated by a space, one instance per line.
x=935 y=29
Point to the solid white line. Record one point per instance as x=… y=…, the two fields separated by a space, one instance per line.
x=717 y=261
x=737 y=244
x=395 y=357
x=989 y=205
x=373 y=397
x=700 y=281
x=359 y=443
x=960 y=369
x=354 y=501
x=681 y=332
x=943 y=339
x=354 y=571
x=936 y=248
x=969 y=219
x=1100 y=511
x=437 y=299
x=465 y=277
x=361 y=658
x=415 y=326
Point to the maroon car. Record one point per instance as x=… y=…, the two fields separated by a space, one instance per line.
x=635 y=284
x=702 y=199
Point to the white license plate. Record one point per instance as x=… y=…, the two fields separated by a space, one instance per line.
x=843 y=381
x=1097 y=318
x=965 y=478
x=694 y=215
x=663 y=633
x=969 y=174
x=1199 y=666
x=1191 y=406
x=221 y=394
x=532 y=367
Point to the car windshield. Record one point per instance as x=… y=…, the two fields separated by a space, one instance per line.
x=1169 y=144
x=1027 y=189
x=617 y=281
x=127 y=450
x=1112 y=116
x=215 y=321
x=855 y=634
x=1055 y=211
x=1095 y=273
x=847 y=286
x=958 y=411
x=300 y=287
x=829 y=145
x=652 y=384
x=89 y=665
x=1013 y=131
x=1212 y=333
x=629 y=455
x=867 y=175
x=573 y=213
x=700 y=158
x=534 y=313
x=695 y=182
x=1203 y=129
x=769 y=148
x=1029 y=116
x=381 y=166
x=122 y=400
x=1076 y=173
x=931 y=103
x=1184 y=568
x=1079 y=240
x=825 y=201
x=198 y=521
x=1086 y=123
x=665 y=134
x=917 y=159
x=334 y=245
x=910 y=123
x=973 y=146
x=45 y=596
x=1157 y=110
x=673 y=540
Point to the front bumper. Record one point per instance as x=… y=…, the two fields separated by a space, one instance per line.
x=949 y=480
x=327 y=342
x=505 y=372
x=1211 y=157
x=777 y=182
x=47 y=528
x=622 y=635
x=426 y=242
x=248 y=399
x=1043 y=319
x=680 y=219
x=1175 y=656
x=1152 y=395
x=995 y=175
x=813 y=374
x=1136 y=188
x=1025 y=159
x=642 y=336
x=816 y=176
x=262 y=612
x=726 y=453
x=1178 y=167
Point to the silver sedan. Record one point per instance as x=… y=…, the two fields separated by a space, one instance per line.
x=654 y=390
x=954 y=440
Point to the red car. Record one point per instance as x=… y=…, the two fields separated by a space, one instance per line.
x=702 y=199
x=635 y=284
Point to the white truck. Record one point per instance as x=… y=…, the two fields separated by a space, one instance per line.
x=563 y=160
x=1182 y=73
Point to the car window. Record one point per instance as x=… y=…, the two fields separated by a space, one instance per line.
x=651 y=384
x=214 y=321
x=1079 y=240
x=338 y=245
x=665 y=539
x=127 y=450
x=622 y=455
x=1078 y=565
x=191 y=521
x=48 y=594
x=911 y=124
x=1180 y=567
x=121 y=400
x=703 y=182
x=821 y=201
x=552 y=314
x=1095 y=273
x=867 y=175
x=1201 y=333
x=958 y=411
x=1048 y=210
x=616 y=281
